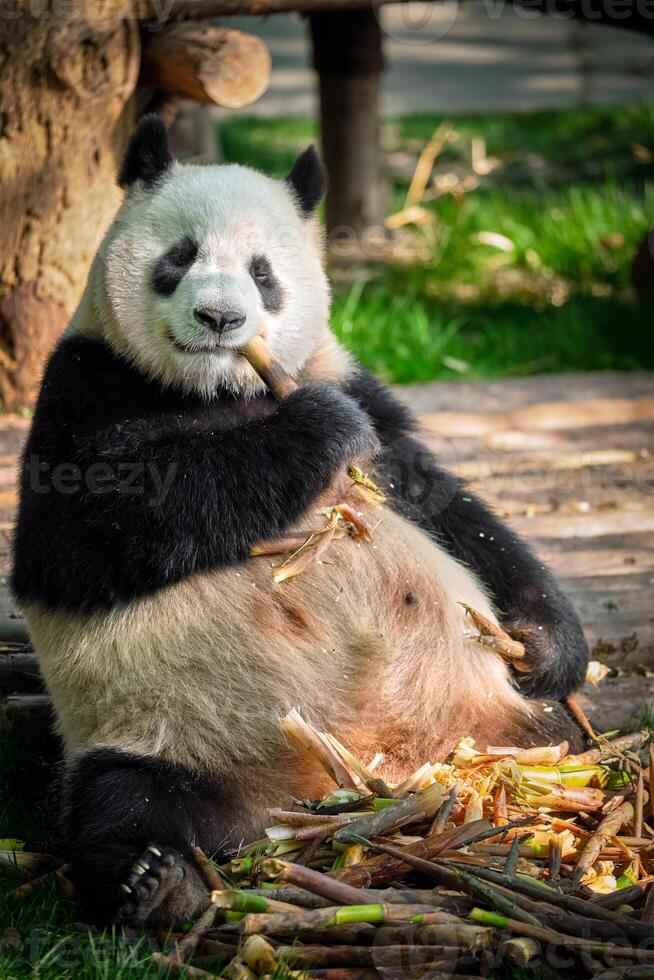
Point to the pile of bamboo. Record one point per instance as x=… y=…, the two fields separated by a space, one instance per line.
x=509 y=858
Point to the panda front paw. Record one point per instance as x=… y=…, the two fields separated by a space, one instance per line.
x=556 y=655
x=327 y=414
x=161 y=889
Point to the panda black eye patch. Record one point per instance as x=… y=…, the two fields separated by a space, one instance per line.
x=271 y=291
x=171 y=268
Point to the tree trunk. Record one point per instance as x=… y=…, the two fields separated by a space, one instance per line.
x=347 y=54
x=63 y=123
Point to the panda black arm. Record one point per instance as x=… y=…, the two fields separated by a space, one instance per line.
x=199 y=494
x=531 y=605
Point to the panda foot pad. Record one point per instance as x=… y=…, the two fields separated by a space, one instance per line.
x=154 y=876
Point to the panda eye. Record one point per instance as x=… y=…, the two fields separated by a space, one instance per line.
x=270 y=290
x=260 y=270
x=183 y=253
x=170 y=268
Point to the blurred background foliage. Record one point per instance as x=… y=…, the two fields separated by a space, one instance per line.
x=522 y=262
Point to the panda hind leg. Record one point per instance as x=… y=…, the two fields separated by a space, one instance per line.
x=130 y=822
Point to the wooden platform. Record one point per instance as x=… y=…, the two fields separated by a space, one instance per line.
x=569 y=461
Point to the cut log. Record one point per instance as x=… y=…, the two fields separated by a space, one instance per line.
x=28 y=707
x=206 y=63
x=19 y=672
x=13 y=630
x=347 y=54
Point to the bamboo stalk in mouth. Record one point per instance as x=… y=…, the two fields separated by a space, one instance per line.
x=274 y=374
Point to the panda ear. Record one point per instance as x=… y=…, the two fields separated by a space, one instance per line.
x=308 y=181
x=147 y=156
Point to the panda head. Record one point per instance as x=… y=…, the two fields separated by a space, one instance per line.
x=200 y=259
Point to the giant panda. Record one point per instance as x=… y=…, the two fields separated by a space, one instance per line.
x=157 y=457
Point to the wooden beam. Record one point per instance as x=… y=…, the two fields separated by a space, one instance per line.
x=202 y=9
x=206 y=63
x=347 y=54
x=636 y=18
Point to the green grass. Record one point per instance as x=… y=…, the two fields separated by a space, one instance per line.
x=572 y=197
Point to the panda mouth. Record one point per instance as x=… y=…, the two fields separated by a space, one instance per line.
x=183 y=349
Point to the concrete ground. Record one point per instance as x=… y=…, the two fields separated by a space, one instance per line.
x=479 y=55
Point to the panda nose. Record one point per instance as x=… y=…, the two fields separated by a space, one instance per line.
x=219 y=321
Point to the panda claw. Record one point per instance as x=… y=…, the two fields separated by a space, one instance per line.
x=154 y=876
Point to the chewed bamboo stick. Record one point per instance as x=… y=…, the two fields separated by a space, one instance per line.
x=238 y=970
x=388 y=870
x=371 y=782
x=608 y=827
x=301 y=897
x=354 y=934
x=185 y=949
x=608 y=749
x=175 y=969
x=280 y=546
x=580 y=717
x=300 y=956
x=240 y=901
x=540 y=891
x=512 y=858
x=520 y=950
x=211 y=877
x=483 y=917
x=332 y=973
x=275 y=376
x=312 y=553
x=422 y=805
x=283 y=923
x=544 y=755
x=304 y=735
x=623 y=896
x=308 y=832
x=338 y=891
x=493 y=636
x=294 y=819
x=510 y=650
x=304 y=898
x=638 y=807
x=259 y=955
x=485 y=626
x=26 y=889
x=445 y=811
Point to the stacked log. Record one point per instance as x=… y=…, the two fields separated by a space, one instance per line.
x=21 y=686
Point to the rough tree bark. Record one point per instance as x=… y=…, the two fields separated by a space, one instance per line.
x=66 y=82
x=69 y=70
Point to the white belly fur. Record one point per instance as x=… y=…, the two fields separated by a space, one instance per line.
x=200 y=673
